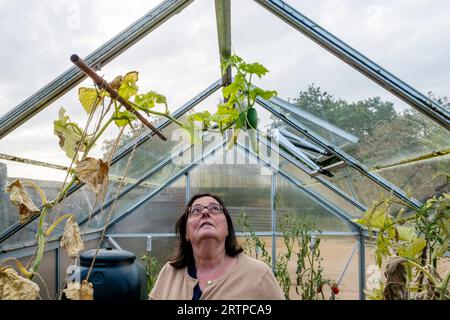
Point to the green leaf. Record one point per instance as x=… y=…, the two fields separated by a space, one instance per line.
x=89 y=98
x=374 y=218
x=122 y=118
x=200 y=116
x=406 y=233
x=240 y=120
x=265 y=94
x=233 y=61
x=233 y=89
x=254 y=68
x=69 y=134
x=412 y=249
x=193 y=132
x=148 y=100
x=128 y=87
x=225 y=115
x=440 y=250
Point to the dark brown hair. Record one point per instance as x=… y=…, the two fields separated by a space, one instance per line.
x=184 y=255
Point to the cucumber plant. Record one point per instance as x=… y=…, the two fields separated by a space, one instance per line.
x=238 y=112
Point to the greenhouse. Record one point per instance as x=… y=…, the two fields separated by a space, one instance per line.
x=341 y=197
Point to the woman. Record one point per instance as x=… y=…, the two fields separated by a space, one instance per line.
x=210 y=263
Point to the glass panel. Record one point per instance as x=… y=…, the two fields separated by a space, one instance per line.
x=357 y=185
x=242 y=185
x=159 y=214
x=422 y=178
x=292 y=200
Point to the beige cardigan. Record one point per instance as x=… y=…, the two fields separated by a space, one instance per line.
x=249 y=279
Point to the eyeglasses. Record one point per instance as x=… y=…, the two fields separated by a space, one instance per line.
x=197 y=209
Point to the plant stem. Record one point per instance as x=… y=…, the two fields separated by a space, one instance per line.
x=425 y=271
x=62 y=193
x=38 y=189
x=99 y=133
x=161 y=114
x=57 y=222
x=22 y=269
x=444 y=285
x=41 y=244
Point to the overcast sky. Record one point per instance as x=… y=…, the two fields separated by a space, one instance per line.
x=410 y=38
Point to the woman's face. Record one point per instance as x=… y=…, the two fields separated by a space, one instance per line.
x=206 y=225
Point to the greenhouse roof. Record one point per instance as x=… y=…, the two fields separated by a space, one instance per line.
x=323 y=163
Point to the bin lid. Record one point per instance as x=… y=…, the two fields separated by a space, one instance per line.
x=106 y=256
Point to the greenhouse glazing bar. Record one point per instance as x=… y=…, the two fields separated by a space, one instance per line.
x=107 y=52
x=358 y=61
x=319 y=179
x=273 y=194
x=188 y=187
x=7 y=233
x=314 y=119
x=240 y=234
x=362 y=266
x=223 y=20
x=311 y=194
x=29 y=248
x=340 y=154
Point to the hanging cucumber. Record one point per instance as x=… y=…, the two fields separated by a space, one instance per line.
x=252 y=119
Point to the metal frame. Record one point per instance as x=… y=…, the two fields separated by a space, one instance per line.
x=28 y=249
x=273 y=195
x=302 y=143
x=238 y=234
x=223 y=20
x=311 y=194
x=362 y=266
x=319 y=179
x=339 y=153
x=314 y=119
x=356 y=60
x=104 y=54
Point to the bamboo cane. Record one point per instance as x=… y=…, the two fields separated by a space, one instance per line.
x=103 y=84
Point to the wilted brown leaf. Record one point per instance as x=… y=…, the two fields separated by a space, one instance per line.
x=395 y=279
x=75 y=291
x=22 y=200
x=71 y=239
x=93 y=172
x=16 y=287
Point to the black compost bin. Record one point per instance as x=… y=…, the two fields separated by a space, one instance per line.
x=116 y=275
